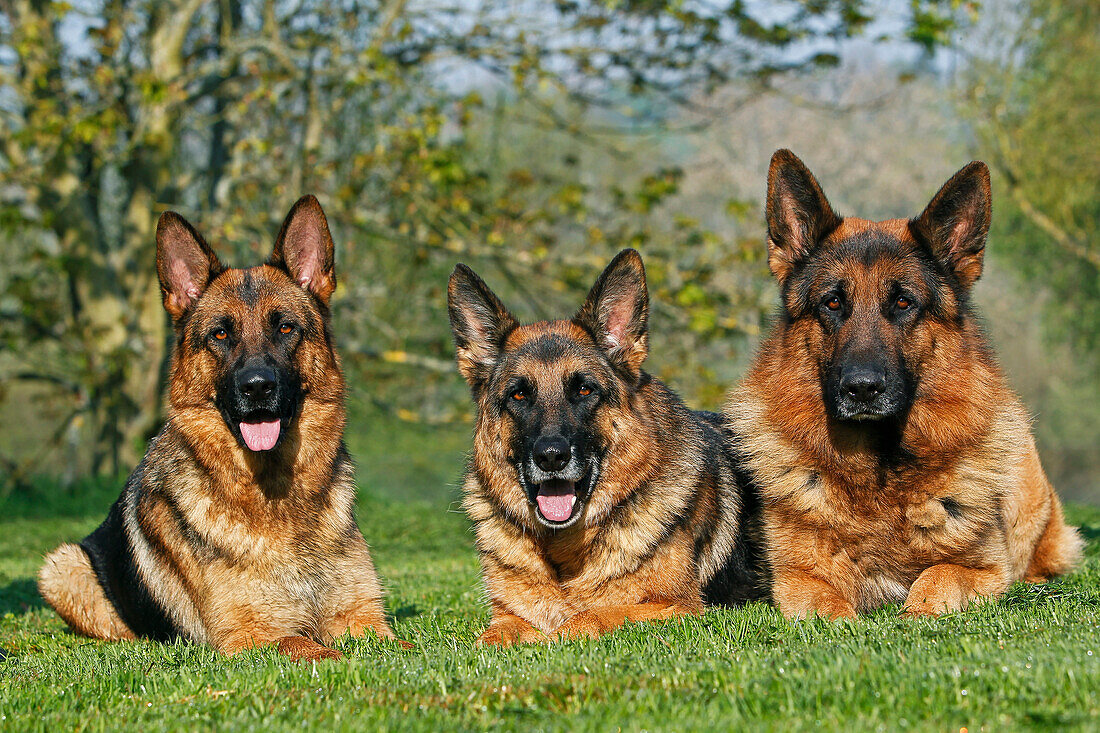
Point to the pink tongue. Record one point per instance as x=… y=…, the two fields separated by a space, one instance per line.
x=555 y=499
x=260 y=435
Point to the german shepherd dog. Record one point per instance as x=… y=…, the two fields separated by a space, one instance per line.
x=236 y=529
x=893 y=461
x=597 y=497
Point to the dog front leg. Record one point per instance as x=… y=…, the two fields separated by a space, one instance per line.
x=526 y=604
x=799 y=594
x=596 y=622
x=355 y=603
x=945 y=588
x=243 y=627
x=508 y=629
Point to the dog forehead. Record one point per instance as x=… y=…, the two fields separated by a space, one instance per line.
x=852 y=226
x=548 y=350
x=253 y=291
x=542 y=334
x=869 y=256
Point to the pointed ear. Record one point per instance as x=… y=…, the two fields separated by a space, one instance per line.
x=799 y=216
x=185 y=264
x=956 y=222
x=304 y=248
x=480 y=323
x=617 y=310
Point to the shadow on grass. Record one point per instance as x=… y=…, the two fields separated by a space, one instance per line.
x=20 y=596
x=1038 y=594
x=1091 y=532
x=400 y=614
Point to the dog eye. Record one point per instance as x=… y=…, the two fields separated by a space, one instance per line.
x=221 y=334
x=584 y=390
x=833 y=303
x=519 y=395
x=286 y=328
x=902 y=303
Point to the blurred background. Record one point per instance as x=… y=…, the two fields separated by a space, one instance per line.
x=531 y=140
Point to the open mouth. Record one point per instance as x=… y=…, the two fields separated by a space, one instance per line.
x=556 y=499
x=260 y=431
x=559 y=501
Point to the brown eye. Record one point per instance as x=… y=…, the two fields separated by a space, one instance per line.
x=221 y=334
x=902 y=303
x=286 y=328
x=833 y=303
x=519 y=395
x=584 y=391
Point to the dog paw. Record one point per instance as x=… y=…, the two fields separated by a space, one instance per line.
x=937 y=604
x=917 y=610
x=946 y=588
x=508 y=632
x=584 y=625
x=302 y=649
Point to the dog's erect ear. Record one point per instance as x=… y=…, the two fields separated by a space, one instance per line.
x=480 y=323
x=617 y=310
x=185 y=264
x=304 y=248
x=955 y=224
x=799 y=216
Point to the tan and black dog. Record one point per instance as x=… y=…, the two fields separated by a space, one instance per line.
x=236 y=529
x=893 y=461
x=597 y=497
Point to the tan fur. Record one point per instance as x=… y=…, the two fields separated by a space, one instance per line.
x=303 y=649
x=967 y=514
x=661 y=521
x=830 y=517
x=549 y=578
x=68 y=583
x=242 y=548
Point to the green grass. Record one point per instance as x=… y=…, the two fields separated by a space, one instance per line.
x=1029 y=660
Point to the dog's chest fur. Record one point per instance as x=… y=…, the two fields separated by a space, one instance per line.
x=872 y=530
x=231 y=543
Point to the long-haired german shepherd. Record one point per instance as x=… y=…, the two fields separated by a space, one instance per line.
x=597 y=497
x=236 y=529
x=893 y=461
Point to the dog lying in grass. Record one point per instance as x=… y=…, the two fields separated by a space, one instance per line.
x=236 y=529
x=893 y=461
x=597 y=497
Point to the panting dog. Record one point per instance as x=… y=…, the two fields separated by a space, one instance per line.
x=596 y=496
x=236 y=529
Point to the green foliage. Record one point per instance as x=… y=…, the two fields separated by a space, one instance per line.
x=396 y=115
x=1030 y=660
x=1034 y=99
x=1031 y=93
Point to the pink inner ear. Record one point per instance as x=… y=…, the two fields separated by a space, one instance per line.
x=616 y=322
x=308 y=266
x=306 y=271
x=961 y=232
x=183 y=285
x=304 y=250
x=790 y=218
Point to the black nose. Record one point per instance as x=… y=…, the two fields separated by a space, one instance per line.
x=551 y=452
x=256 y=383
x=863 y=384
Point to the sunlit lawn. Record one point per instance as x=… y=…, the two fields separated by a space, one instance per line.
x=1030 y=660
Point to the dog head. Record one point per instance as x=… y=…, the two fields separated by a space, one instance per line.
x=251 y=343
x=870 y=299
x=546 y=392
